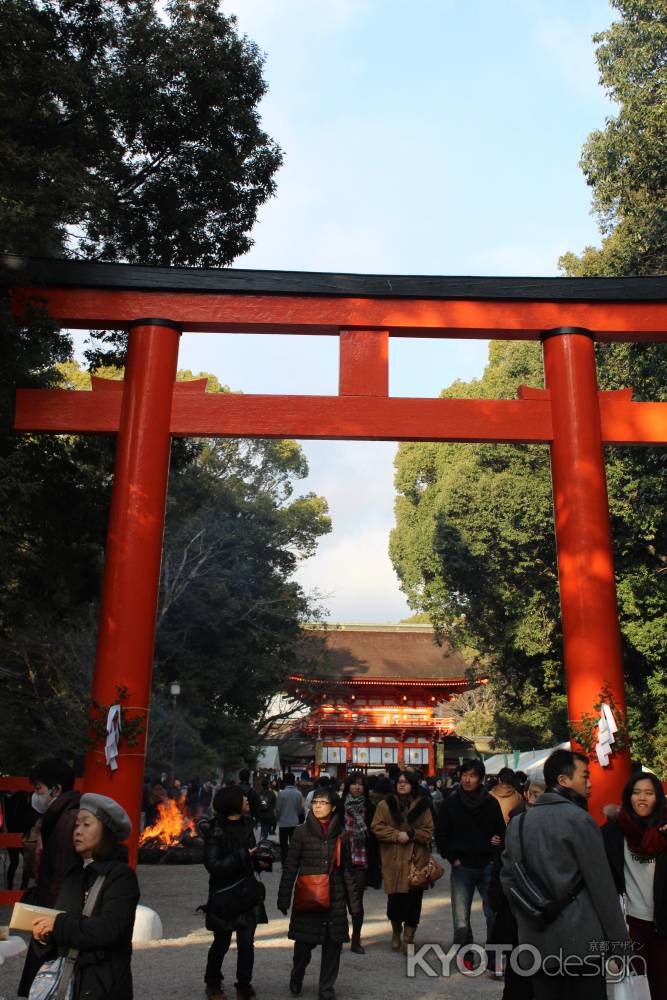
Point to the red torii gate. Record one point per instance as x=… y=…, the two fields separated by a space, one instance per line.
x=156 y=304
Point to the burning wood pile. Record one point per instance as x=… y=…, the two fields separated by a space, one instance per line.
x=173 y=838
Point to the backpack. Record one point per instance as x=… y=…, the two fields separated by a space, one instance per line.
x=264 y=801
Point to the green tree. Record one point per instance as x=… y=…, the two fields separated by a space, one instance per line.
x=229 y=615
x=473 y=547
x=626 y=166
x=473 y=543
x=130 y=134
x=128 y=131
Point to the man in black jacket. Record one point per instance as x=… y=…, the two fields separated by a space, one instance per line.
x=469 y=833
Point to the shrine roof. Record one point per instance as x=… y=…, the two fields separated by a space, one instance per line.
x=20 y=271
x=376 y=654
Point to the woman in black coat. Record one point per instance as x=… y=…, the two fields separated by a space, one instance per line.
x=103 y=939
x=636 y=846
x=230 y=858
x=314 y=850
x=358 y=813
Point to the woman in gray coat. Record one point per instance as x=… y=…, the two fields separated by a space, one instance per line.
x=313 y=850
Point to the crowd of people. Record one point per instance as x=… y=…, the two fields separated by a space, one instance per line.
x=583 y=899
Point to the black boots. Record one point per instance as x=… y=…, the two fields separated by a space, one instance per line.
x=355 y=944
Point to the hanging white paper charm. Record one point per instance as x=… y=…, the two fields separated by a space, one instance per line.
x=607 y=728
x=113 y=736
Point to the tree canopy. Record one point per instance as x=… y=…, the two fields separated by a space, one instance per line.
x=473 y=544
x=229 y=615
x=130 y=131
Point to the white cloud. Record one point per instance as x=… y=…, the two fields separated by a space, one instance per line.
x=356 y=578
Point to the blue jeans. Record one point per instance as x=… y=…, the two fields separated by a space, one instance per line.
x=464 y=882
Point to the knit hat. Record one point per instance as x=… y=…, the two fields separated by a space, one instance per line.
x=108 y=812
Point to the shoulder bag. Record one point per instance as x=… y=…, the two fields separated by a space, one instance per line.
x=426 y=875
x=54 y=979
x=312 y=893
x=239 y=897
x=530 y=895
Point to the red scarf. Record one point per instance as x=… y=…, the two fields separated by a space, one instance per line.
x=645 y=840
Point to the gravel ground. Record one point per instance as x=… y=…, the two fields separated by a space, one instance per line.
x=173 y=967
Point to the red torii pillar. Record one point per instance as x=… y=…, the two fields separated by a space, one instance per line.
x=571 y=415
x=126 y=634
x=589 y=610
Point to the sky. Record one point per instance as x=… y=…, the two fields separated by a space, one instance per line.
x=436 y=137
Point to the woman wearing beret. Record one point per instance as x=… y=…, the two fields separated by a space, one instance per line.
x=319 y=847
x=103 y=939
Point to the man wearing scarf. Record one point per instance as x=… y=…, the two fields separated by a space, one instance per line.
x=469 y=833
x=636 y=845
x=563 y=848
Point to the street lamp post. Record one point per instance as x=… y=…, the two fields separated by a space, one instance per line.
x=175 y=689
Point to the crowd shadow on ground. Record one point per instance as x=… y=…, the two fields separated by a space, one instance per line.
x=173 y=967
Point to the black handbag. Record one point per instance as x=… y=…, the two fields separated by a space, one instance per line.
x=531 y=896
x=237 y=898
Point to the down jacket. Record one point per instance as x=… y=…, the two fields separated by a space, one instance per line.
x=387 y=824
x=227 y=859
x=311 y=853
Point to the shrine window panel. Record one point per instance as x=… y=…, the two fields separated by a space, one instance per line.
x=390 y=739
x=375 y=739
x=360 y=701
x=360 y=755
x=375 y=701
x=360 y=738
x=375 y=755
x=390 y=755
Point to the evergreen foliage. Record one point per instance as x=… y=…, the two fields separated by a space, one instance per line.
x=473 y=543
x=129 y=130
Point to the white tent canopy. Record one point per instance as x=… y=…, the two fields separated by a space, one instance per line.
x=269 y=759
x=530 y=761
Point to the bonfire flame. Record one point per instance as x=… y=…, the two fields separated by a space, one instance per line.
x=172 y=822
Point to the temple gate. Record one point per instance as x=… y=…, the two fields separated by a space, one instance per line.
x=570 y=415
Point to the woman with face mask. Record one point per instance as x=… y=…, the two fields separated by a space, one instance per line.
x=636 y=845
x=57 y=804
x=319 y=847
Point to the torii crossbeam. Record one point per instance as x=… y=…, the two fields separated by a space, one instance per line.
x=570 y=415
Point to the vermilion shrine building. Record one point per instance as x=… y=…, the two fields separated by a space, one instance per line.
x=569 y=415
x=380 y=701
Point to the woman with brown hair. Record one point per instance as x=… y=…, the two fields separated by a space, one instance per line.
x=403 y=824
